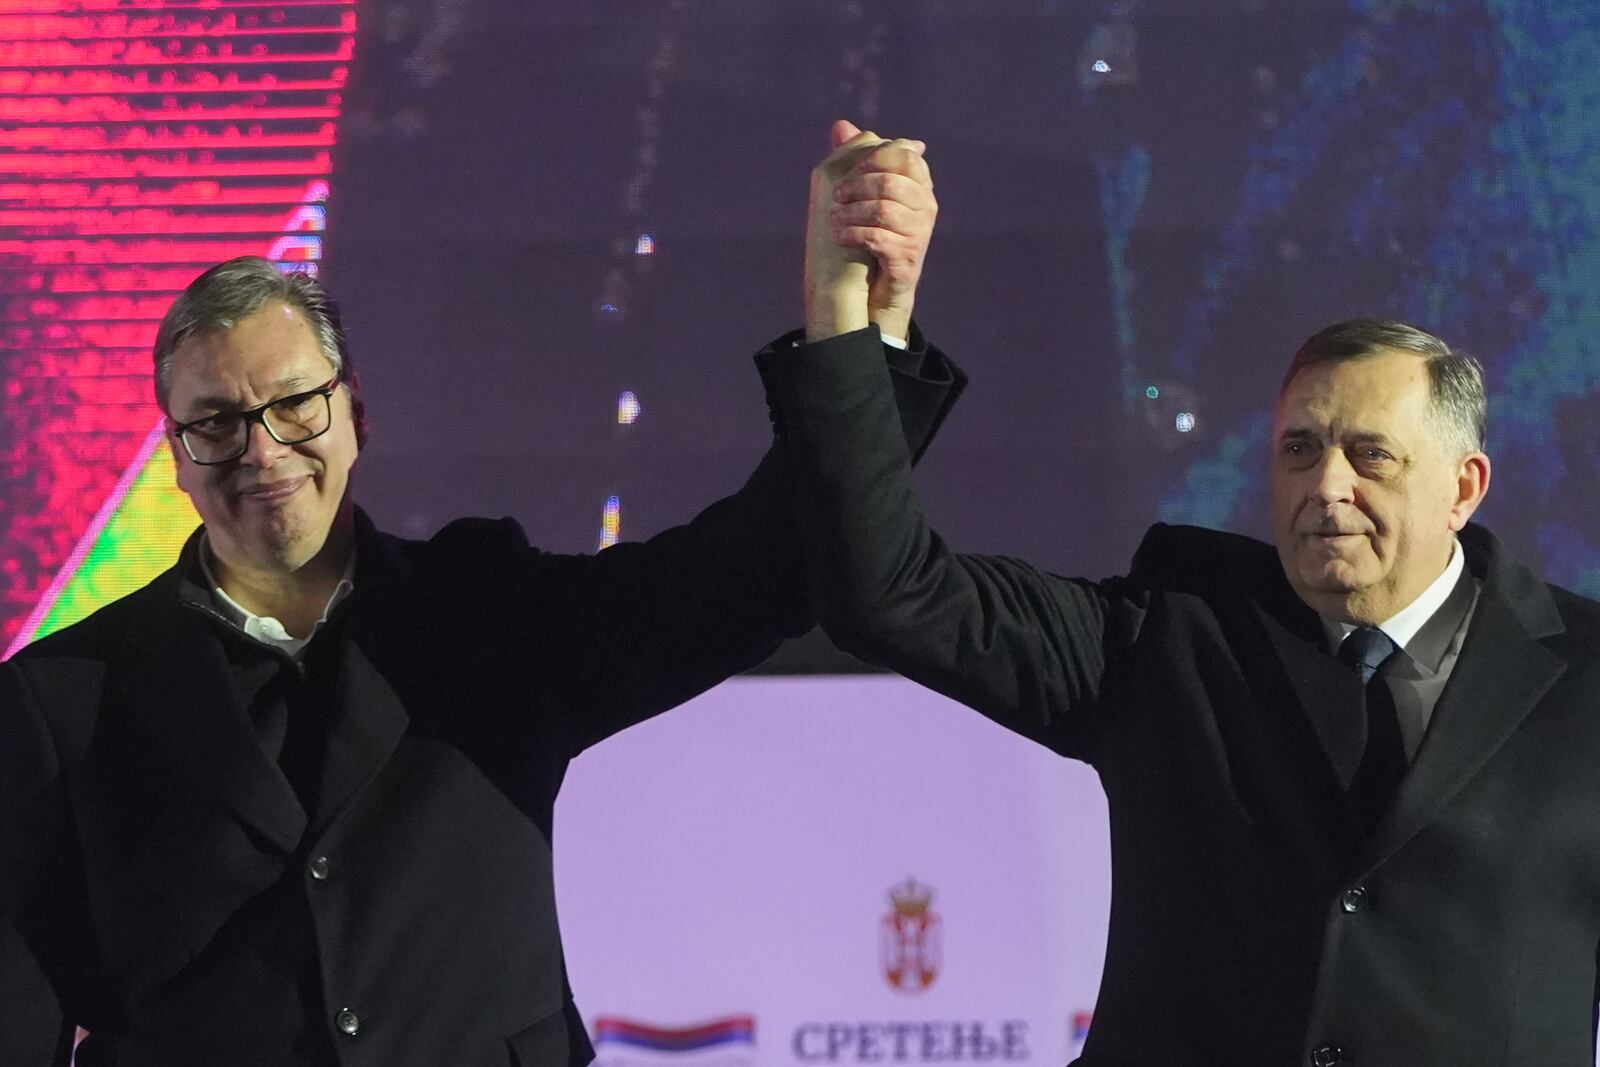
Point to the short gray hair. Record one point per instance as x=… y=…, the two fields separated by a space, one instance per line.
x=237 y=289
x=1456 y=397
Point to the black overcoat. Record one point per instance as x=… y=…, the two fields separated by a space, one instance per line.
x=1252 y=920
x=161 y=878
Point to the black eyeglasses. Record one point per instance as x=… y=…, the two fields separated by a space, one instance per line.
x=291 y=420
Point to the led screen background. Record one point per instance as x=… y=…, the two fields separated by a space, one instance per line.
x=138 y=144
x=531 y=210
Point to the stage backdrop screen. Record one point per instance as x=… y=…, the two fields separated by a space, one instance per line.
x=559 y=230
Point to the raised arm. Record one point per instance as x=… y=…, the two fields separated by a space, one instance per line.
x=1026 y=648
x=662 y=620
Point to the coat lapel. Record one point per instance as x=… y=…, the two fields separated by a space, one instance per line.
x=1502 y=673
x=369 y=715
x=180 y=683
x=1311 y=698
x=369 y=721
x=1296 y=750
x=1328 y=693
x=1287 y=738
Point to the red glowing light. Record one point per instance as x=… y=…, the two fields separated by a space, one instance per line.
x=142 y=141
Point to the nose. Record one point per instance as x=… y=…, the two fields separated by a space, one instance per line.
x=1334 y=479
x=261 y=449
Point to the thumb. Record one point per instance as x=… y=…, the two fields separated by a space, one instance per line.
x=842 y=131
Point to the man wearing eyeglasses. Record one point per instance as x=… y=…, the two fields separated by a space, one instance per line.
x=265 y=435
x=291 y=802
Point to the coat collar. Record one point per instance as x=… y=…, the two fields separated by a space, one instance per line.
x=1504 y=669
x=1308 y=679
x=370 y=716
x=178 y=680
x=1284 y=735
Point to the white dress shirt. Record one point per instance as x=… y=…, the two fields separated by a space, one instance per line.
x=264 y=628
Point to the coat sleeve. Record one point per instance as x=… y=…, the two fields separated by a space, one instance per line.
x=33 y=1029
x=1025 y=648
x=645 y=626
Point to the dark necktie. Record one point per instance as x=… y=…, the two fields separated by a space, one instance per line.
x=1383 y=762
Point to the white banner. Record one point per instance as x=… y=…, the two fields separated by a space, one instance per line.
x=831 y=870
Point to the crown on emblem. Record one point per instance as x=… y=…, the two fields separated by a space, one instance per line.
x=911 y=898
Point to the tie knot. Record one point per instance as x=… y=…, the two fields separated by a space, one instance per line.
x=1364 y=650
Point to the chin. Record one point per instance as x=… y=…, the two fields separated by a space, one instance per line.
x=1328 y=580
x=284 y=551
x=1328 y=594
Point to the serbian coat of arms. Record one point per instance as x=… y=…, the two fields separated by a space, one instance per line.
x=911 y=938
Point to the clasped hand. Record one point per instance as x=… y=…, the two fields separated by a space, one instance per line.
x=871 y=218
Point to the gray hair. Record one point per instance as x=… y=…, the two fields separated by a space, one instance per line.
x=237 y=289
x=1456 y=398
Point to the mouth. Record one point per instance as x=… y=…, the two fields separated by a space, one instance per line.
x=1333 y=545
x=276 y=492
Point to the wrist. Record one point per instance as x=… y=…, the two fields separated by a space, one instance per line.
x=835 y=308
x=825 y=319
x=892 y=322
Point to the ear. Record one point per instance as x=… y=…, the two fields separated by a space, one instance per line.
x=358 y=412
x=1472 y=484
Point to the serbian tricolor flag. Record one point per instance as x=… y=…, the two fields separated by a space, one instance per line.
x=610 y=1030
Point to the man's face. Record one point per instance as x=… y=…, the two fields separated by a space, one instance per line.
x=271 y=509
x=1366 y=497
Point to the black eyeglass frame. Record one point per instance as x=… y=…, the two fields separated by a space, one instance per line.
x=259 y=414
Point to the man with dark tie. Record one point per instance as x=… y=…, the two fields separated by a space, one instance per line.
x=1354 y=781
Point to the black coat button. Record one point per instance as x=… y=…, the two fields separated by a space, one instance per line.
x=1328 y=1056
x=1356 y=899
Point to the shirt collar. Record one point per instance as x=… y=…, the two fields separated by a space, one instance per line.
x=1424 y=628
x=265 y=628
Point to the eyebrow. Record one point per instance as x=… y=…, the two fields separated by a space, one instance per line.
x=288 y=383
x=1365 y=437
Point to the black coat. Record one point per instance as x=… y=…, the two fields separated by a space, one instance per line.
x=1252 y=920
x=161 y=878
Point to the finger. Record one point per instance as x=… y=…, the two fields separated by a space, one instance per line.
x=881 y=214
x=843 y=130
x=894 y=159
x=845 y=156
x=885 y=186
x=858 y=237
x=890 y=251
